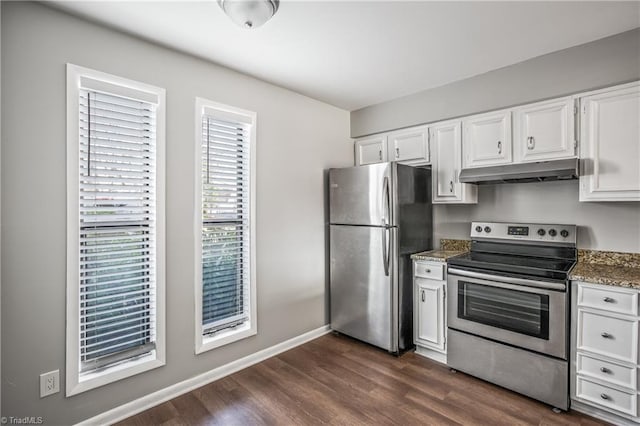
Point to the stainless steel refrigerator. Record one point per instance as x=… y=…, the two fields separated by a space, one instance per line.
x=379 y=215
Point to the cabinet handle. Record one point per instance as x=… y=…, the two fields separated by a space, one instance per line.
x=397 y=152
x=423 y=296
x=428 y=271
x=450 y=186
x=609 y=300
x=531 y=143
x=607 y=335
x=605 y=370
x=380 y=155
x=499 y=147
x=604 y=396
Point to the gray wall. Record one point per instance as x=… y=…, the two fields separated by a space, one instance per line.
x=593 y=65
x=605 y=62
x=602 y=226
x=297 y=138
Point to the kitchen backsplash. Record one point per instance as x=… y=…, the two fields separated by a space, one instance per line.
x=455 y=245
x=601 y=226
x=611 y=258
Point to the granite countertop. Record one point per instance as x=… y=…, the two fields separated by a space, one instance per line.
x=448 y=248
x=593 y=266
x=436 y=255
x=597 y=273
x=608 y=268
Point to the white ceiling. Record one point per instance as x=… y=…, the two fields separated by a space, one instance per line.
x=359 y=53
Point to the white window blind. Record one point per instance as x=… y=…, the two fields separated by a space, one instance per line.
x=117 y=221
x=225 y=223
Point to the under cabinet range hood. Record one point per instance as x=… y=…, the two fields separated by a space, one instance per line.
x=524 y=172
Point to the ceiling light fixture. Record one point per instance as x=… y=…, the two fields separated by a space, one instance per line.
x=249 y=13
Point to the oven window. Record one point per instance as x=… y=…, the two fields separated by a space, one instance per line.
x=514 y=310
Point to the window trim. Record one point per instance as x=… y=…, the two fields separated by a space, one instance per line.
x=76 y=384
x=204 y=344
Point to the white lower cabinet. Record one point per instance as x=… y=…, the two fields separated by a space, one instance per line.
x=430 y=315
x=597 y=368
x=607 y=396
x=613 y=337
x=604 y=352
x=429 y=309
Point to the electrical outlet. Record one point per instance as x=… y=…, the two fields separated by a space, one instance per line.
x=49 y=383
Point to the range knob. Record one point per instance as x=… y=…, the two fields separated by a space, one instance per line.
x=487 y=229
x=552 y=232
x=541 y=232
x=478 y=228
x=564 y=233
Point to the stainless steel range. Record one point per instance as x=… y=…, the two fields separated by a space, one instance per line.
x=508 y=308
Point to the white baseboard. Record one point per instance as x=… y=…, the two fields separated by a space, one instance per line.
x=148 y=401
x=431 y=354
x=601 y=414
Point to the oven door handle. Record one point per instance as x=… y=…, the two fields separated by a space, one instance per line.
x=510 y=280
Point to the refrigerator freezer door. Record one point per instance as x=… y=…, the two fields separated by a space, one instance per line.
x=361 y=195
x=362 y=285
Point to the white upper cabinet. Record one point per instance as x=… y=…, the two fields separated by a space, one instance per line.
x=407 y=146
x=487 y=139
x=605 y=128
x=610 y=144
x=544 y=131
x=371 y=150
x=410 y=146
x=446 y=146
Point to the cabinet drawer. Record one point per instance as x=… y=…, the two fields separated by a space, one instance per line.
x=430 y=270
x=608 y=371
x=609 y=299
x=614 y=337
x=606 y=396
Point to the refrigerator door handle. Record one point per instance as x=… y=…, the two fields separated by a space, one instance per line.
x=385 y=202
x=385 y=250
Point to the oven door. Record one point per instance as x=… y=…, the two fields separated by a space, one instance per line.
x=520 y=312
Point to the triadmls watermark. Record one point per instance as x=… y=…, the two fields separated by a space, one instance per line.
x=26 y=420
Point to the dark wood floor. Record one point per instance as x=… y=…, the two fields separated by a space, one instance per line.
x=336 y=380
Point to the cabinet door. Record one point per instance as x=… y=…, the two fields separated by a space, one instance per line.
x=371 y=150
x=610 y=145
x=446 y=143
x=430 y=313
x=486 y=139
x=409 y=146
x=544 y=131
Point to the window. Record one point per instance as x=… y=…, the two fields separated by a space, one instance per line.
x=115 y=228
x=225 y=230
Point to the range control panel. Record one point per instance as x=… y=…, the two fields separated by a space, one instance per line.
x=531 y=232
